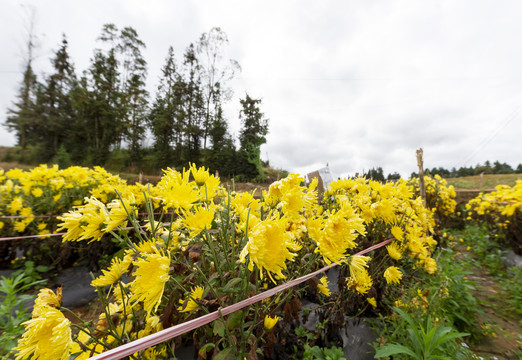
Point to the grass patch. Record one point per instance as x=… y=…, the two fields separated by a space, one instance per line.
x=490 y=181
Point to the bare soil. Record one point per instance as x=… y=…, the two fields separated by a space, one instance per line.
x=502 y=322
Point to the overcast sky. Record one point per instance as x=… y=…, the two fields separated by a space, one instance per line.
x=355 y=84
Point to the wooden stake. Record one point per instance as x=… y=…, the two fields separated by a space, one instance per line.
x=421 y=176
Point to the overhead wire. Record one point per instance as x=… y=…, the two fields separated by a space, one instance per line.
x=486 y=140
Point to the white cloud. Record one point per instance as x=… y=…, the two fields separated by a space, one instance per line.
x=354 y=84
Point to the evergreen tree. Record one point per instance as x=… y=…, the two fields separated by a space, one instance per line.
x=375 y=174
x=167 y=115
x=134 y=94
x=101 y=104
x=193 y=105
x=252 y=136
x=221 y=156
x=54 y=105
x=22 y=116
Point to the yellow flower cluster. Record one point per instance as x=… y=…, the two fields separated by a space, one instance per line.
x=48 y=334
x=440 y=197
x=210 y=233
x=501 y=210
x=396 y=211
x=47 y=190
x=504 y=202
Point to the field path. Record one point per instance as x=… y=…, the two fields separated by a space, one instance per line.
x=502 y=322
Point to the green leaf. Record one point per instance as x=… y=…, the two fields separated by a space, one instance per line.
x=233 y=285
x=225 y=354
x=393 y=349
x=205 y=349
x=219 y=327
x=42 y=268
x=234 y=319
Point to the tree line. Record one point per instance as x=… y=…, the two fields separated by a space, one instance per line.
x=104 y=115
x=488 y=168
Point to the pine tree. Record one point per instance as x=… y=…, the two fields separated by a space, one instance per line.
x=53 y=106
x=167 y=115
x=134 y=94
x=252 y=136
x=22 y=116
x=221 y=156
x=194 y=110
x=101 y=105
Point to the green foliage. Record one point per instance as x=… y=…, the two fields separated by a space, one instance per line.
x=485 y=247
x=13 y=311
x=490 y=254
x=452 y=293
x=512 y=284
x=424 y=341
x=31 y=274
x=62 y=158
x=252 y=136
x=318 y=353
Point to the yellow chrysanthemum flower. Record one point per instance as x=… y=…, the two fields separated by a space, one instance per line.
x=397 y=233
x=208 y=184
x=339 y=234
x=393 y=275
x=46 y=337
x=37 y=192
x=372 y=302
x=394 y=251
x=398 y=303
x=269 y=246
x=48 y=297
x=244 y=200
x=196 y=293
x=362 y=282
x=114 y=273
x=430 y=265
x=72 y=223
x=270 y=322
x=96 y=215
x=180 y=195
x=323 y=286
x=16 y=205
x=150 y=277
x=358 y=263
x=199 y=220
x=360 y=279
x=118 y=212
x=19 y=226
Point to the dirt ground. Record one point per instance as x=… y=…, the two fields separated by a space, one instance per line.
x=501 y=320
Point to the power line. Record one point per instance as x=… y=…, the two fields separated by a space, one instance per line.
x=513 y=115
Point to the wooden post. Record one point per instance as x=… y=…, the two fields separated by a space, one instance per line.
x=421 y=176
x=482 y=182
x=140 y=178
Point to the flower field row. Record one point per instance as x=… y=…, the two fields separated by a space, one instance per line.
x=501 y=211
x=43 y=191
x=212 y=247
